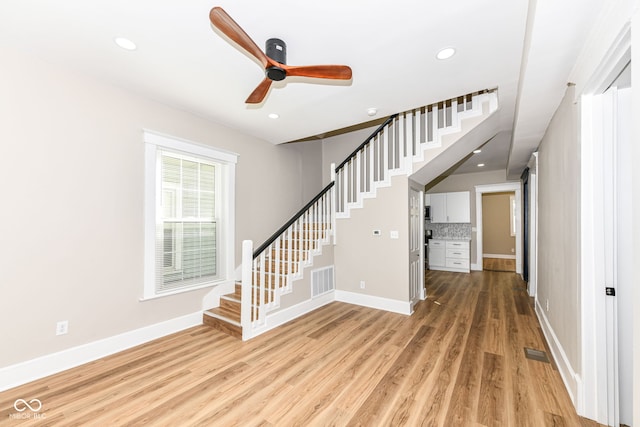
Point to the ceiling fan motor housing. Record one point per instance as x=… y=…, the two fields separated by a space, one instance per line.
x=276 y=49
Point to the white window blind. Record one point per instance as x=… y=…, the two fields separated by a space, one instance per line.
x=186 y=232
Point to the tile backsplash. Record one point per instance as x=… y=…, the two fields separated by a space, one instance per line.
x=449 y=230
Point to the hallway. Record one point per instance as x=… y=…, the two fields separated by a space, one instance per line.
x=459 y=360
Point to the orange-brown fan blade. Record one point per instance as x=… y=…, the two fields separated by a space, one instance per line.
x=339 y=72
x=231 y=29
x=259 y=93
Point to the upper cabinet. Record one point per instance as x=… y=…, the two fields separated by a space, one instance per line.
x=450 y=207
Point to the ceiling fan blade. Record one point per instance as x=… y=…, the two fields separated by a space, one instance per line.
x=339 y=72
x=222 y=21
x=260 y=92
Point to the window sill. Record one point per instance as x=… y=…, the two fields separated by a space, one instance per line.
x=180 y=291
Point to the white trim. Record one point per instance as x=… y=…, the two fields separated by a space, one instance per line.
x=31 y=370
x=189 y=147
x=392 y=305
x=568 y=374
x=500 y=256
x=288 y=314
x=533 y=225
x=515 y=186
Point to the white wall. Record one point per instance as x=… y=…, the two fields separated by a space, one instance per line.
x=71 y=164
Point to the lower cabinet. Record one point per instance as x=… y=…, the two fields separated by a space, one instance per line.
x=449 y=255
x=437 y=254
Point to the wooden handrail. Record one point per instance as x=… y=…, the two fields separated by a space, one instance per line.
x=293 y=219
x=366 y=141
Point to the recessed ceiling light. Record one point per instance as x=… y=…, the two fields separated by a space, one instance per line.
x=372 y=111
x=477 y=151
x=273 y=116
x=446 y=53
x=480 y=165
x=125 y=43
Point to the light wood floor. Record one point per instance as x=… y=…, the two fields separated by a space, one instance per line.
x=459 y=360
x=498 y=264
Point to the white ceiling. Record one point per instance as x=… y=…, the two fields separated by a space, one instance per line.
x=182 y=61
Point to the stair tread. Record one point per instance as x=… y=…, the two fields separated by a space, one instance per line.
x=231 y=297
x=221 y=312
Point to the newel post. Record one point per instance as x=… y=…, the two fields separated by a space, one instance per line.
x=247 y=279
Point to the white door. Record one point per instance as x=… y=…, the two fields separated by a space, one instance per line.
x=612 y=249
x=416 y=244
x=618 y=245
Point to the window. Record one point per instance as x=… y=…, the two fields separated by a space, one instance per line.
x=189 y=215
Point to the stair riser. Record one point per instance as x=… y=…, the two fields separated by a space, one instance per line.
x=294 y=255
x=298 y=244
x=221 y=325
x=307 y=235
x=230 y=305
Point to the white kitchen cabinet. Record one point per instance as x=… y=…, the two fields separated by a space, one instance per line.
x=439 y=207
x=437 y=251
x=449 y=255
x=450 y=207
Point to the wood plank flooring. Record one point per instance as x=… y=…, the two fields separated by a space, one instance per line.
x=457 y=361
x=498 y=264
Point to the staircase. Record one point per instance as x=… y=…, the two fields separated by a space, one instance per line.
x=397 y=147
x=274 y=266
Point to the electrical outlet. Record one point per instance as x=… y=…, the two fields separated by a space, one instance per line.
x=62 y=327
x=361 y=284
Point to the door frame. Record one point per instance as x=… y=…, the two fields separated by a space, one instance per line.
x=597 y=395
x=414 y=186
x=514 y=186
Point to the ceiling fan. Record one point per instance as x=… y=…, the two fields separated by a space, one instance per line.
x=275 y=59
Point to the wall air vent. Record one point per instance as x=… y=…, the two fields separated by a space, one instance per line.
x=322 y=281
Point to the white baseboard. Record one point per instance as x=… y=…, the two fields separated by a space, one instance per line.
x=395 y=306
x=285 y=315
x=500 y=256
x=571 y=380
x=31 y=370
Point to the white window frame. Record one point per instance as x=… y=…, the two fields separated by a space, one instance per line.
x=226 y=161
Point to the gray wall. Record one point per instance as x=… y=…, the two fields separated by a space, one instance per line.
x=381 y=262
x=559 y=227
x=72 y=164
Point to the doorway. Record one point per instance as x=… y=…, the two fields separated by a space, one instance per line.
x=499 y=233
x=507 y=187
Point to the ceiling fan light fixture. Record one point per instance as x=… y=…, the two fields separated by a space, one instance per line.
x=446 y=53
x=125 y=43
